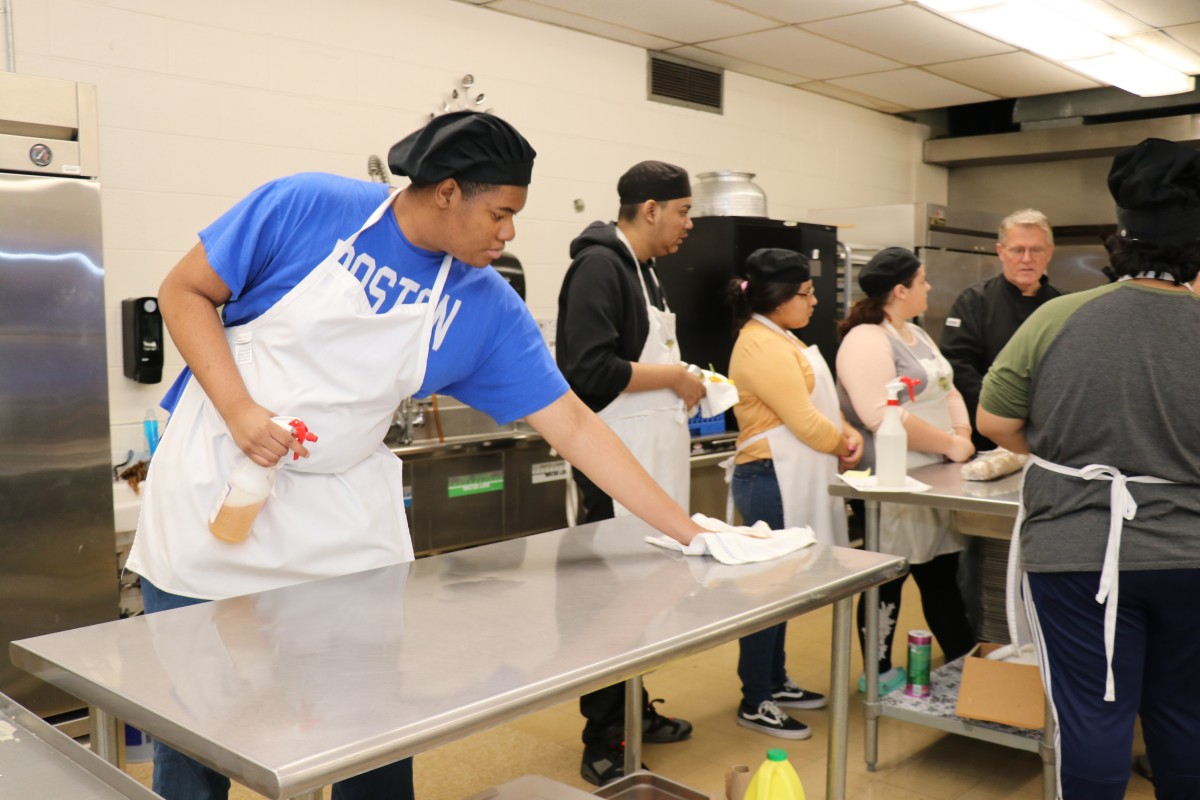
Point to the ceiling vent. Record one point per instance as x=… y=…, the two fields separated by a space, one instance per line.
x=679 y=82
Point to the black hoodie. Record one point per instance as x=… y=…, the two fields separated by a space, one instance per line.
x=602 y=320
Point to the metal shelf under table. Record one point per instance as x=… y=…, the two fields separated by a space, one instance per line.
x=948 y=490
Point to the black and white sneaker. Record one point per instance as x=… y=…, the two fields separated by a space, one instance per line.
x=769 y=718
x=792 y=696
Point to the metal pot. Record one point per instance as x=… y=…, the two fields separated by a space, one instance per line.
x=727 y=193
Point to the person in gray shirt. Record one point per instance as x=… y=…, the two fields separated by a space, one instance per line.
x=1099 y=387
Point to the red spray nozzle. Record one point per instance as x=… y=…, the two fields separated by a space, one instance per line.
x=911 y=383
x=302 y=434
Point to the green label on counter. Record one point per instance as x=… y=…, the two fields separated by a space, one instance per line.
x=480 y=483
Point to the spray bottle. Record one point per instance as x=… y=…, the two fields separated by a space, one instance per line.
x=775 y=779
x=891 y=440
x=248 y=488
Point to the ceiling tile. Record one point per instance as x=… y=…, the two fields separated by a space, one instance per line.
x=914 y=88
x=910 y=35
x=1161 y=13
x=808 y=10
x=554 y=16
x=685 y=21
x=802 y=53
x=1186 y=34
x=736 y=64
x=858 y=99
x=1013 y=75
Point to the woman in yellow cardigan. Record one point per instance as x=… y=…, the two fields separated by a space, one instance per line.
x=793 y=441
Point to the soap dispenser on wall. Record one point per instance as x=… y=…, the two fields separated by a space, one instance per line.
x=142 y=332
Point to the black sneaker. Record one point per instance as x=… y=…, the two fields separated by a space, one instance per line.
x=769 y=718
x=792 y=696
x=603 y=766
x=658 y=729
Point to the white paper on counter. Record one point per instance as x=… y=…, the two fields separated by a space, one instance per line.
x=867 y=484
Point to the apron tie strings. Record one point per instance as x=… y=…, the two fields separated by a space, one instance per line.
x=1122 y=507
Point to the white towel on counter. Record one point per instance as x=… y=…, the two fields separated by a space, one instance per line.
x=732 y=544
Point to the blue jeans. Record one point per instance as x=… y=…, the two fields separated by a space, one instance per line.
x=761 y=655
x=178 y=777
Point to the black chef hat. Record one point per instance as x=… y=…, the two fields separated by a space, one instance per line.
x=653 y=180
x=775 y=265
x=468 y=145
x=1157 y=188
x=887 y=268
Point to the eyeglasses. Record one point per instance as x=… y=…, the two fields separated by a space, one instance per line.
x=809 y=292
x=1019 y=252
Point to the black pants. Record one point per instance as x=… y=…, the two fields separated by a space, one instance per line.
x=604 y=709
x=945 y=614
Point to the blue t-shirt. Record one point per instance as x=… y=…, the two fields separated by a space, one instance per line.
x=486 y=350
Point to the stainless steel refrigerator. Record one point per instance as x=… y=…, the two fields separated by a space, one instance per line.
x=957 y=247
x=57 y=561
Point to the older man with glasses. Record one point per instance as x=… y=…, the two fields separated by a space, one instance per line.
x=982 y=320
x=986 y=315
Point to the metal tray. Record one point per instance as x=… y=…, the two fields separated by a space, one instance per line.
x=648 y=786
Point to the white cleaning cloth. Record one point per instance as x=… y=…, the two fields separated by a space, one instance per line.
x=731 y=544
x=720 y=394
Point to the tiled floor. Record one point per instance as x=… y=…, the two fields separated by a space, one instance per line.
x=915 y=763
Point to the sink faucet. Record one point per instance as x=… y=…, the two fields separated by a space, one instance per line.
x=410 y=414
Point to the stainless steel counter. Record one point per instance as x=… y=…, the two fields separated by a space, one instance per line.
x=38 y=761
x=289 y=690
x=948 y=490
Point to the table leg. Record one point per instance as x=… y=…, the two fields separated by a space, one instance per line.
x=633 y=724
x=839 y=699
x=872 y=705
x=107 y=735
x=1049 y=756
x=315 y=794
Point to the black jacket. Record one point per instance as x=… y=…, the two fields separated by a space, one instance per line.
x=602 y=320
x=980 y=323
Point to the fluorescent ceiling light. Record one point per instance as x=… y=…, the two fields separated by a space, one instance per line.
x=1134 y=72
x=1161 y=47
x=1076 y=33
x=1034 y=27
x=1100 y=16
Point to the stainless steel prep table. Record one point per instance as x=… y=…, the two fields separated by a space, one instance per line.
x=36 y=760
x=289 y=690
x=948 y=490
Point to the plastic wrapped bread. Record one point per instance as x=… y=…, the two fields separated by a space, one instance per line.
x=992 y=465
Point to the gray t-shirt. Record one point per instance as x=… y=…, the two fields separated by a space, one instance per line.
x=1107 y=376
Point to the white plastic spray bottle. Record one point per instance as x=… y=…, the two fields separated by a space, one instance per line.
x=891 y=440
x=248 y=488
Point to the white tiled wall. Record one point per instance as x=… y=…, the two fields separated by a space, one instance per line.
x=201 y=102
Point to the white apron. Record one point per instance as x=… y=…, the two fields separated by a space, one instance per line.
x=653 y=424
x=922 y=534
x=321 y=354
x=1021 y=627
x=803 y=473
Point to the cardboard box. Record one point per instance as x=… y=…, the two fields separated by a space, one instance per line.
x=997 y=691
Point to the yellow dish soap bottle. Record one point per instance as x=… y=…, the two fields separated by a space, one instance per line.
x=775 y=779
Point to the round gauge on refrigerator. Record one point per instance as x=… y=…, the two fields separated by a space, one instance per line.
x=41 y=155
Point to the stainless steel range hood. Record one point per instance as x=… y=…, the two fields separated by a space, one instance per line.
x=1058 y=143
